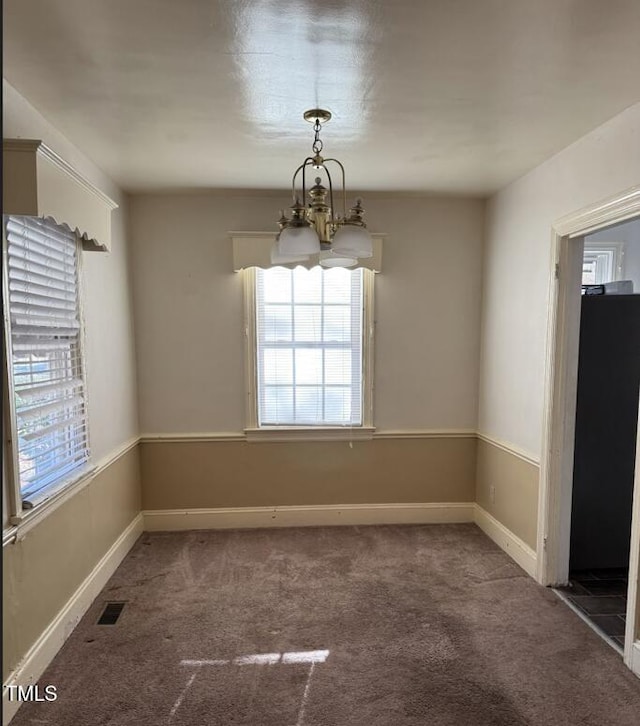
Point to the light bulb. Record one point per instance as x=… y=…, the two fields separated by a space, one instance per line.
x=301 y=240
x=353 y=240
x=331 y=259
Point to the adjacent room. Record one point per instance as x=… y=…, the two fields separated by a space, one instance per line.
x=320 y=362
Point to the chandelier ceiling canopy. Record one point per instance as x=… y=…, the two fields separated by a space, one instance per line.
x=314 y=227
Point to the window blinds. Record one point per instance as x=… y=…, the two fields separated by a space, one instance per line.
x=309 y=346
x=46 y=362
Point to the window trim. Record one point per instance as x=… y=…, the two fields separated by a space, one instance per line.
x=45 y=498
x=252 y=431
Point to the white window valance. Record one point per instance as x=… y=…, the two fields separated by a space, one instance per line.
x=39 y=183
x=253 y=249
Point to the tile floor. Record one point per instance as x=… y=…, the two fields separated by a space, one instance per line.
x=602 y=596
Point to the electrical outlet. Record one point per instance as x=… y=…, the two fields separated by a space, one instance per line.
x=492 y=494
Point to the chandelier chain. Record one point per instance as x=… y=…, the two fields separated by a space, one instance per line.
x=317 y=141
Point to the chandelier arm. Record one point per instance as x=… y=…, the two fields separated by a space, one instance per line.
x=330 y=190
x=304 y=184
x=344 y=188
x=308 y=160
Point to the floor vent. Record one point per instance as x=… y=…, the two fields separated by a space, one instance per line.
x=111 y=613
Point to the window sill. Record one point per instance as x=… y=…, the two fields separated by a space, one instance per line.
x=309 y=433
x=45 y=503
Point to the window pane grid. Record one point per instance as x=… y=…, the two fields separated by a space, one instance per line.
x=309 y=347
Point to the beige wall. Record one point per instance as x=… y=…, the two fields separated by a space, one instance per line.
x=189 y=310
x=239 y=474
x=514 y=481
x=516 y=279
x=517 y=271
x=190 y=343
x=42 y=571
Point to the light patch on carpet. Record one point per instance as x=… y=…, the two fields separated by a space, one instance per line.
x=310 y=657
x=180 y=698
x=305 y=696
x=304 y=656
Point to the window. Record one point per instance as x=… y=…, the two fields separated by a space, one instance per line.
x=44 y=360
x=310 y=347
x=597 y=267
x=602 y=262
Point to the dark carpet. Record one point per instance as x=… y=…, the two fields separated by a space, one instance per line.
x=379 y=626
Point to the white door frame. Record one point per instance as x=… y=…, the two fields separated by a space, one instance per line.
x=561 y=374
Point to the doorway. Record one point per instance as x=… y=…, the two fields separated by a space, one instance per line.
x=561 y=405
x=605 y=429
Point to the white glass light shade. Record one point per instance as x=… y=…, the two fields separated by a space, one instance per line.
x=352 y=240
x=299 y=241
x=277 y=258
x=331 y=259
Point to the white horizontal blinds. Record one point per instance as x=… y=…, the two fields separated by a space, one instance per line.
x=309 y=346
x=46 y=354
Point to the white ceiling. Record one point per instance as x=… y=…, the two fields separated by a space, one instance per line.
x=459 y=96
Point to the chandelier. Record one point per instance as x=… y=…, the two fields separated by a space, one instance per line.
x=314 y=227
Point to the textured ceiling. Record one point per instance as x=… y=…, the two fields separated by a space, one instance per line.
x=459 y=96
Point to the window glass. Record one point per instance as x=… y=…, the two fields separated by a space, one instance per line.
x=309 y=346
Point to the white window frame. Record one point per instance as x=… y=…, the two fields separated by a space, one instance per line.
x=253 y=431
x=52 y=494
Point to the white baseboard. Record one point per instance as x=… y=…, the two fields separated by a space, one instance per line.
x=60 y=628
x=307 y=516
x=506 y=540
